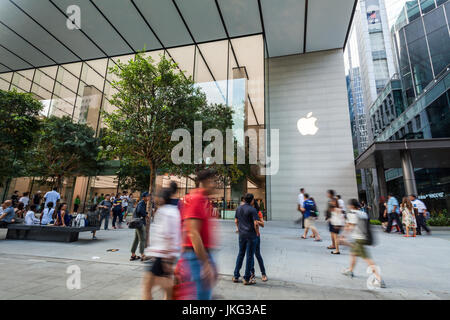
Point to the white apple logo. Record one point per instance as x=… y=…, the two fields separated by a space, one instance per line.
x=307 y=125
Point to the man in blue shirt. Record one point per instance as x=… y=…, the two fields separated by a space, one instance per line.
x=393 y=213
x=246 y=220
x=7 y=215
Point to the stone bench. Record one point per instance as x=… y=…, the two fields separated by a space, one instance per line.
x=45 y=233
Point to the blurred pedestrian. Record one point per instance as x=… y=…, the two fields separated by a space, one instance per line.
x=358 y=226
x=117 y=211
x=408 y=218
x=300 y=200
x=393 y=212
x=309 y=211
x=420 y=213
x=196 y=264
x=165 y=245
x=337 y=222
x=382 y=212
x=331 y=195
x=105 y=211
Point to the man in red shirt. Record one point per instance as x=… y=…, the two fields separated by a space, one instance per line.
x=197 y=237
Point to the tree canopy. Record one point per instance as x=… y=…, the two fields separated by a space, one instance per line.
x=19 y=114
x=64 y=149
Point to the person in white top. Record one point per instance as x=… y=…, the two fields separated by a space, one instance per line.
x=47 y=214
x=52 y=196
x=300 y=201
x=30 y=217
x=356 y=222
x=337 y=222
x=341 y=203
x=125 y=201
x=420 y=213
x=25 y=199
x=165 y=245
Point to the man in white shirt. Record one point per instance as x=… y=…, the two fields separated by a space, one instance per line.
x=300 y=201
x=25 y=199
x=52 y=196
x=420 y=213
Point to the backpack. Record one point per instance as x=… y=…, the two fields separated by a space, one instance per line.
x=366 y=228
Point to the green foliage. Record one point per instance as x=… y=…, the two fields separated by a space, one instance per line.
x=153 y=100
x=64 y=149
x=375 y=222
x=19 y=123
x=439 y=220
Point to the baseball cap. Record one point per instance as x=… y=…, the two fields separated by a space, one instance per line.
x=145 y=194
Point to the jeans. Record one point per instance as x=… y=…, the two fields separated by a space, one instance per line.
x=203 y=290
x=420 y=220
x=259 y=257
x=246 y=247
x=139 y=238
x=106 y=217
x=394 y=216
x=115 y=217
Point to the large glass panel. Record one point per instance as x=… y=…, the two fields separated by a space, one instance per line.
x=412 y=10
x=5 y=80
x=22 y=80
x=439 y=117
x=438 y=39
x=439 y=2
x=427 y=5
x=184 y=57
x=418 y=54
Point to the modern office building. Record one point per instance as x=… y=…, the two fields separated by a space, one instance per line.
x=369 y=62
x=272 y=61
x=414 y=108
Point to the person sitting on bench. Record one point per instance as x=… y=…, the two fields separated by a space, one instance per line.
x=7 y=215
x=63 y=217
x=47 y=214
x=30 y=218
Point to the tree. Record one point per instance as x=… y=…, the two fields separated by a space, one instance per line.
x=65 y=149
x=19 y=123
x=152 y=101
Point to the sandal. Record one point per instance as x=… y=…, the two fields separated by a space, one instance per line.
x=250 y=281
x=235 y=280
x=303 y=237
x=133 y=258
x=264 y=278
x=330 y=247
x=318 y=240
x=332 y=252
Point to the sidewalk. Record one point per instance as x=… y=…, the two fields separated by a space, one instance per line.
x=413 y=268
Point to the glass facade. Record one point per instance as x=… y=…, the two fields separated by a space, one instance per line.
x=229 y=72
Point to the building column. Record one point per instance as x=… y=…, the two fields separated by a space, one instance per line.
x=408 y=172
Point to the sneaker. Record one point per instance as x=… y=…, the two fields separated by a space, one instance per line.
x=348 y=273
x=94 y=238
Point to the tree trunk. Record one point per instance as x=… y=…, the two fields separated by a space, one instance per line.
x=149 y=204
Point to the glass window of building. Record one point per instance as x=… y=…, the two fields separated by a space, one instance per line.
x=439 y=2
x=418 y=124
x=418 y=55
x=427 y=5
x=438 y=39
x=412 y=10
x=438 y=114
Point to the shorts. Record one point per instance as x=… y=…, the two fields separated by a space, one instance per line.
x=309 y=222
x=335 y=229
x=157 y=268
x=359 y=249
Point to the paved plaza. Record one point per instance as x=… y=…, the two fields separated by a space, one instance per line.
x=413 y=268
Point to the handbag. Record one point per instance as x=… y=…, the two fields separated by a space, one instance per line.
x=135 y=223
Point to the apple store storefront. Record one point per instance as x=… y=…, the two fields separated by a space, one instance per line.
x=278 y=65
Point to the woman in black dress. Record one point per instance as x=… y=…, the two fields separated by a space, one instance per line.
x=382 y=216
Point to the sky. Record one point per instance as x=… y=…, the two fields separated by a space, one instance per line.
x=393 y=8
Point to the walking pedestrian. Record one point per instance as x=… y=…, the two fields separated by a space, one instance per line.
x=300 y=200
x=331 y=195
x=197 y=241
x=382 y=212
x=140 y=234
x=165 y=246
x=247 y=222
x=117 y=211
x=393 y=212
x=420 y=213
x=337 y=222
x=408 y=218
x=309 y=211
x=105 y=211
x=358 y=227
